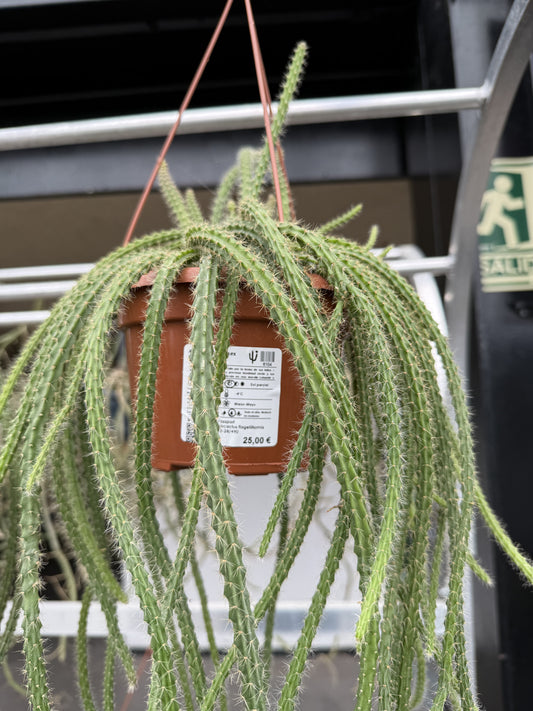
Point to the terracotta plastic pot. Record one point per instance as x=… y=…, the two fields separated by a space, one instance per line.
x=262 y=401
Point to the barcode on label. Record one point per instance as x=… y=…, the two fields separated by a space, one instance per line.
x=267 y=356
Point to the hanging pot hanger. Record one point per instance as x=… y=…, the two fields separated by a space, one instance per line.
x=265 y=102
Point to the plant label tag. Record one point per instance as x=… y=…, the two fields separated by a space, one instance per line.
x=248 y=415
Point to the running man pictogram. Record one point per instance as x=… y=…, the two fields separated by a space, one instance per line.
x=496 y=204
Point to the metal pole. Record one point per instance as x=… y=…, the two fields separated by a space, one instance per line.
x=44 y=272
x=246 y=116
x=19 y=318
x=35 y=290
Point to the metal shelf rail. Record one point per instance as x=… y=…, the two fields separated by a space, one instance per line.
x=491 y=101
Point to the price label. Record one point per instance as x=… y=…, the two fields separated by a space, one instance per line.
x=248 y=415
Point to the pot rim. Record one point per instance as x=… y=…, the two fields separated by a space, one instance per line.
x=188 y=275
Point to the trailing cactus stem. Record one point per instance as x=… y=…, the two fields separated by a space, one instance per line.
x=29 y=590
x=211 y=464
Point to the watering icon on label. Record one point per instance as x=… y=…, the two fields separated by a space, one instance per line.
x=505 y=228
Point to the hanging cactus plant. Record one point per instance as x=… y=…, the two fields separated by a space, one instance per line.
x=374 y=406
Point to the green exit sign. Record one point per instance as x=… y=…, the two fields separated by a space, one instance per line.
x=505 y=227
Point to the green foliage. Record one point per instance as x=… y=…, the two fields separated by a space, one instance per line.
x=402 y=455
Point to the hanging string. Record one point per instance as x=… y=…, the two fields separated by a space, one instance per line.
x=261 y=81
x=281 y=156
x=267 y=115
x=140 y=671
x=183 y=107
